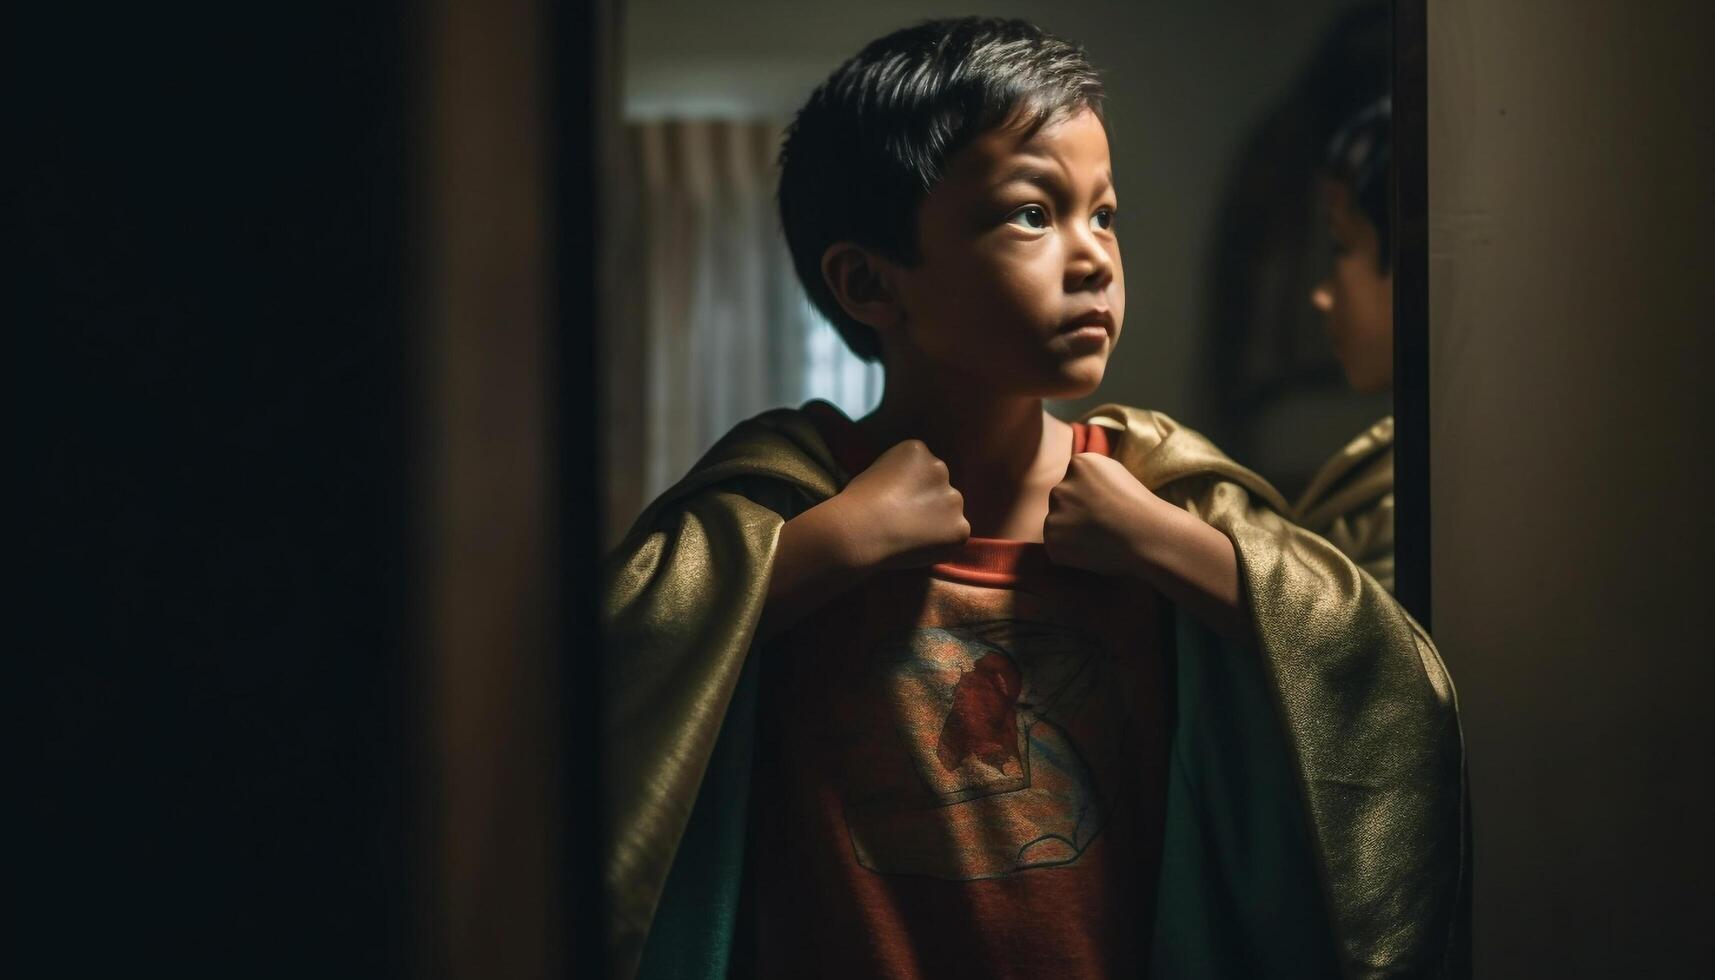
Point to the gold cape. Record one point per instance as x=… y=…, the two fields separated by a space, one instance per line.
x=1350 y=501
x=1317 y=811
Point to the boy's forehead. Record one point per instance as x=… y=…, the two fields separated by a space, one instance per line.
x=1076 y=146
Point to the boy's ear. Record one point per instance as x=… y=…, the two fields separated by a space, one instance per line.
x=862 y=282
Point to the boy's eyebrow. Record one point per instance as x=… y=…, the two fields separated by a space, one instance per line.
x=1026 y=172
x=1034 y=174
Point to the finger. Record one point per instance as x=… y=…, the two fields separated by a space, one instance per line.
x=1053 y=546
x=1084 y=465
x=1110 y=465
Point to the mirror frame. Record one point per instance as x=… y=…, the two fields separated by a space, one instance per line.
x=1411 y=308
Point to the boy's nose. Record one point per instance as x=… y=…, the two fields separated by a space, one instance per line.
x=1099 y=274
x=1322 y=298
x=1090 y=268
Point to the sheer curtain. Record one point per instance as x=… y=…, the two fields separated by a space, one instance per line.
x=714 y=326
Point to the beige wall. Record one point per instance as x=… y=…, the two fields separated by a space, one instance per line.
x=1571 y=270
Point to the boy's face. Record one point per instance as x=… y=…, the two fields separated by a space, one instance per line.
x=1356 y=298
x=1018 y=283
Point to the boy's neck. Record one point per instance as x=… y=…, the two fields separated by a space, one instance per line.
x=996 y=447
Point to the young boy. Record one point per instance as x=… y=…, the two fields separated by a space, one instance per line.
x=959 y=689
x=1350 y=500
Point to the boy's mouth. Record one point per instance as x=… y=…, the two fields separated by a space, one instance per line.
x=1102 y=318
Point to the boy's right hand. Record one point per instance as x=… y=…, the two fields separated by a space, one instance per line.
x=902 y=512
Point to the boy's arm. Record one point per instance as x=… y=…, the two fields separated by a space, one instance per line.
x=899 y=513
x=814 y=561
x=1100 y=518
x=1195 y=565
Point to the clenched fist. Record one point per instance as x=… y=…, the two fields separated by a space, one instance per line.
x=1099 y=516
x=902 y=512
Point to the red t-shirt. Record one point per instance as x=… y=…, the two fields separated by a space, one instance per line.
x=960 y=770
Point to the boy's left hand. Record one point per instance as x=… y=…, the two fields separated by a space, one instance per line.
x=1098 y=515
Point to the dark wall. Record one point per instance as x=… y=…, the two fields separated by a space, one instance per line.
x=209 y=372
x=1570 y=254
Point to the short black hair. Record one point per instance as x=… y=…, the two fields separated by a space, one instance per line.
x=1361 y=156
x=875 y=137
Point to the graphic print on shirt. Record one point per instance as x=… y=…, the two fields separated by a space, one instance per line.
x=981 y=768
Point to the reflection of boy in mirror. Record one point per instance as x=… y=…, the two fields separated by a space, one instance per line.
x=961 y=689
x=1350 y=500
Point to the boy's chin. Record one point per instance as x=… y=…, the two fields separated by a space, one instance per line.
x=1078 y=380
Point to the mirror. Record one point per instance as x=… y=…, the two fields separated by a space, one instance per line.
x=1220 y=118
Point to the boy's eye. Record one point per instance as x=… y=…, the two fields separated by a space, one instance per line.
x=1103 y=220
x=1029 y=216
x=1336 y=245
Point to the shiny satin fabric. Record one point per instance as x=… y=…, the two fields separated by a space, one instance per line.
x=1350 y=501
x=683 y=593
x=1366 y=708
